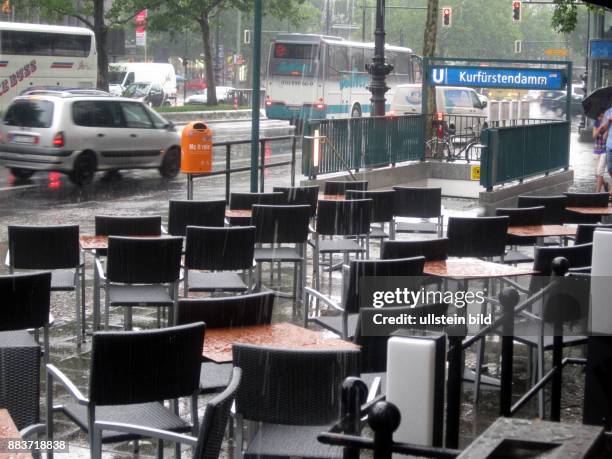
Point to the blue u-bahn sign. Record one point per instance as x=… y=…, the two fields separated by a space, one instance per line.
x=490 y=77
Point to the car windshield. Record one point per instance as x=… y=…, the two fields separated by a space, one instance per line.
x=137 y=90
x=30 y=113
x=116 y=77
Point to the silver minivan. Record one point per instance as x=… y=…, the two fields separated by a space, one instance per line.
x=79 y=135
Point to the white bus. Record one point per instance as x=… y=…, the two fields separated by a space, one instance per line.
x=44 y=56
x=315 y=76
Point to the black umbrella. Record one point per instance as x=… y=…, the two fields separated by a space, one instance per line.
x=598 y=101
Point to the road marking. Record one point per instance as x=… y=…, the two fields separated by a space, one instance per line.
x=17 y=187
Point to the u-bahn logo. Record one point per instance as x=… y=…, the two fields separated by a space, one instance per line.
x=438 y=75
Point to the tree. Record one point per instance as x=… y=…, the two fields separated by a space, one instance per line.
x=429 y=47
x=204 y=13
x=92 y=14
x=565 y=15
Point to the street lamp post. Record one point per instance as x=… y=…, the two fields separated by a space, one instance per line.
x=379 y=69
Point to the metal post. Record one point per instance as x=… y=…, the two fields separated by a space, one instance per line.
x=453 y=387
x=190 y=186
x=228 y=165
x=363 y=24
x=256 y=93
x=262 y=150
x=379 y=69
x=384 y=419
x=293 y=146
x=354 y=394
x=508 y=298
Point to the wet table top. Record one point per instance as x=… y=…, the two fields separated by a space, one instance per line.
x=472 y=268
x=591 y=210
x=238 y=213
x=332 y=197
x=566 y=441
x=8 y=431
x=218 y=341
x=101 y=242
x=542 y=230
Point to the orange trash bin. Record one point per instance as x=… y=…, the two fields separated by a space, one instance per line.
x=196 y=148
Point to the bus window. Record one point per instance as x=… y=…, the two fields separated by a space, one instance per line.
x=417 y=69
x=129 y=79
x=358 y=60
x=401 y=66
x=19 y=42
x=337 y=62
x=294 y=59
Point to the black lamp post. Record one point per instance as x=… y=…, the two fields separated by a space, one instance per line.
x=379 y=69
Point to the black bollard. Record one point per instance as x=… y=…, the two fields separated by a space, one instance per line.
x=453 y=384
x=384 y=418
x=508 y=298
x=354 y=394
x=560 y=267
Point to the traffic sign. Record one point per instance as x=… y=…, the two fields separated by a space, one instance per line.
x=556 y=52
x=475 y=173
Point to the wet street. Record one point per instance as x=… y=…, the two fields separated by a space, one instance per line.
x=49 y=198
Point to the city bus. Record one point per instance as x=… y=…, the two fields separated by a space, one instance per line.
x=44 y=56
x=316 y=77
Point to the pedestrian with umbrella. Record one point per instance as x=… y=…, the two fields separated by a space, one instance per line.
x=598 y=102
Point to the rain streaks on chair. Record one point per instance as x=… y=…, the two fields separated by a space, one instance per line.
x=340 y=187
x=182 y=214
x=278 y=226
x=245 y=201
x=141 y=272
x=212 y=255
x=54 y=248
x=132 y=398
x=301 y=395
x=224 y=312
x=418 y=203
x=520 y=216
x=383 y=211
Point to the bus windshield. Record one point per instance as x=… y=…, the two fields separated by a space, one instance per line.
x=294 y=59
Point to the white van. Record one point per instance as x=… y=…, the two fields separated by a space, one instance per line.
x=121 y=75
x=453 y=101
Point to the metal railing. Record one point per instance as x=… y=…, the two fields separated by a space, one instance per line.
x=518 y=152
x=262 y=166
x=355 y=143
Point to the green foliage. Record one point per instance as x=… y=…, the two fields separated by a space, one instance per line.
x=565 y=16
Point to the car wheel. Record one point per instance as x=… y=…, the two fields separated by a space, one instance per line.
x=84 y=169
x=558 y=112
x=21 y=174
x=356 y=112
x=171 y=164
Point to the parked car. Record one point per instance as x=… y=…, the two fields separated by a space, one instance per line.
x=151 y=94
x=224 y=94
x=121 y=75
x=555 y=102
x=195 y=84
x=79 y=135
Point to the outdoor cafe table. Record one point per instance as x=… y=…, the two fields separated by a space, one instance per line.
x=542 y=231
x=218 y=341
x=600 y=211
x=8 y=431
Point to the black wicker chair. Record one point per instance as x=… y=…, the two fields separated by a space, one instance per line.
x=128 y=225
x=207 y=445
x=245 y=201
x=295 y=196
x=584 y=232
x=141 y=272
x=349 y=219
x=212 y=255
x=291 y=395
x=585 y=200
x=431 y=249
x=418 y=203
x=520 y=216
x=226 y=312
x=54 y=248
x=383 y=211
x=554 y=207
x=345 y=323
x=24 y=305
x=340 y=187
x=182 y=214
x=121 y=387
x=481 y=237
x=279 y=226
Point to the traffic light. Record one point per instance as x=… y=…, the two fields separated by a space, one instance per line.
x=516 y=11
x=447 y=16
